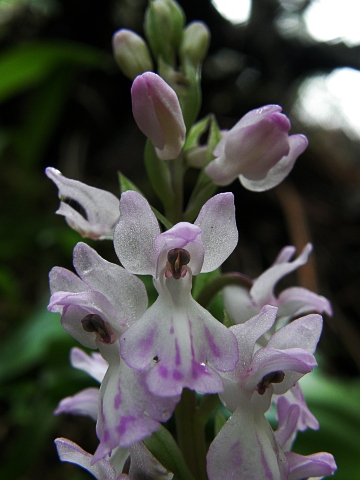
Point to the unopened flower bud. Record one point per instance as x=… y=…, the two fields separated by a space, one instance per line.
x=164 y=22
x=131 y=53
x=195 y=42
x=258 y=150
x=157 y=112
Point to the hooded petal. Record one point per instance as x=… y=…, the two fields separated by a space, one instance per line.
x=135 y=234
x=101 y=207
x=275 y=175
x=219 y=234
x=316 y=465
x=238 y=303
x=298 y=300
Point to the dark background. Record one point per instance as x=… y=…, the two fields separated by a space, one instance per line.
x=65 y=104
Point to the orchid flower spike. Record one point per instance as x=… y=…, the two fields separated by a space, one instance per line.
x=158 y=114
x=242 y=303
x=246 y=448
x=258 y=150
x=181 y=342
x=101 y=207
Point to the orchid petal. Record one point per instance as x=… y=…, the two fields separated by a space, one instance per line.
x=62 y=280
x=219 y=233
x=301 y=333
x=287 y=428
x=128 y=411
x=238 y=303
x=113 y=281
x=316 y=465
x=262 y=290
x=94 y=365
x=82 y=403
x=101 y=207
x=180 y=347
x=249 y=332
x=135 y=234
x=298 y=300
x=245 y=449
x=295 y=396
x=71 y=452
x=275 y=175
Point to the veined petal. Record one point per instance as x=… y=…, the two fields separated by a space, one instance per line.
x=71 y=452
x=262 y=289
x=180 y=342
x=82 y=403
x=245 y=449
x=128 y=411
x=219 y=233
x=113 y=281
x=101 y=207
x=135 y=234
x=93 y=364
x=316 y=465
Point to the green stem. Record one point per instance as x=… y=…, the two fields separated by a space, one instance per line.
x=174 y=208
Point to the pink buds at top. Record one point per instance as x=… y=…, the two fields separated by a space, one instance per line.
x=258 y=150
x=131 y=53
x=157 y=112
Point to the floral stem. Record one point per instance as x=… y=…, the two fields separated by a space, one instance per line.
x=190 y=435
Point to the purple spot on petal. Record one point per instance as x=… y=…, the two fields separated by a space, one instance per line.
x=124 y=424
x=172 y=329
x=106 y=436
x=146 y=343
x=198 y=369
x=177 y=353
x=177 y=375
x=117 y=401
x=163 y=371
x=215 y=350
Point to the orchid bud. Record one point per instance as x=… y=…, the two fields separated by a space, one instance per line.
x=258 y=150
x=131 y=53
x=157 y=112
x=164 y=22
x=195 y=42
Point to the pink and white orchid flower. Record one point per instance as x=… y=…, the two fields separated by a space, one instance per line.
x=242 y=303
x=101 y=207
x=246 y=448
x=258 y=150
x=97 y=307
x=181 y=342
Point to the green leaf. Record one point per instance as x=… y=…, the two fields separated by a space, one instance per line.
x=163 y=446
x=30 y=343
x=198 y=129
x=25 y=66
